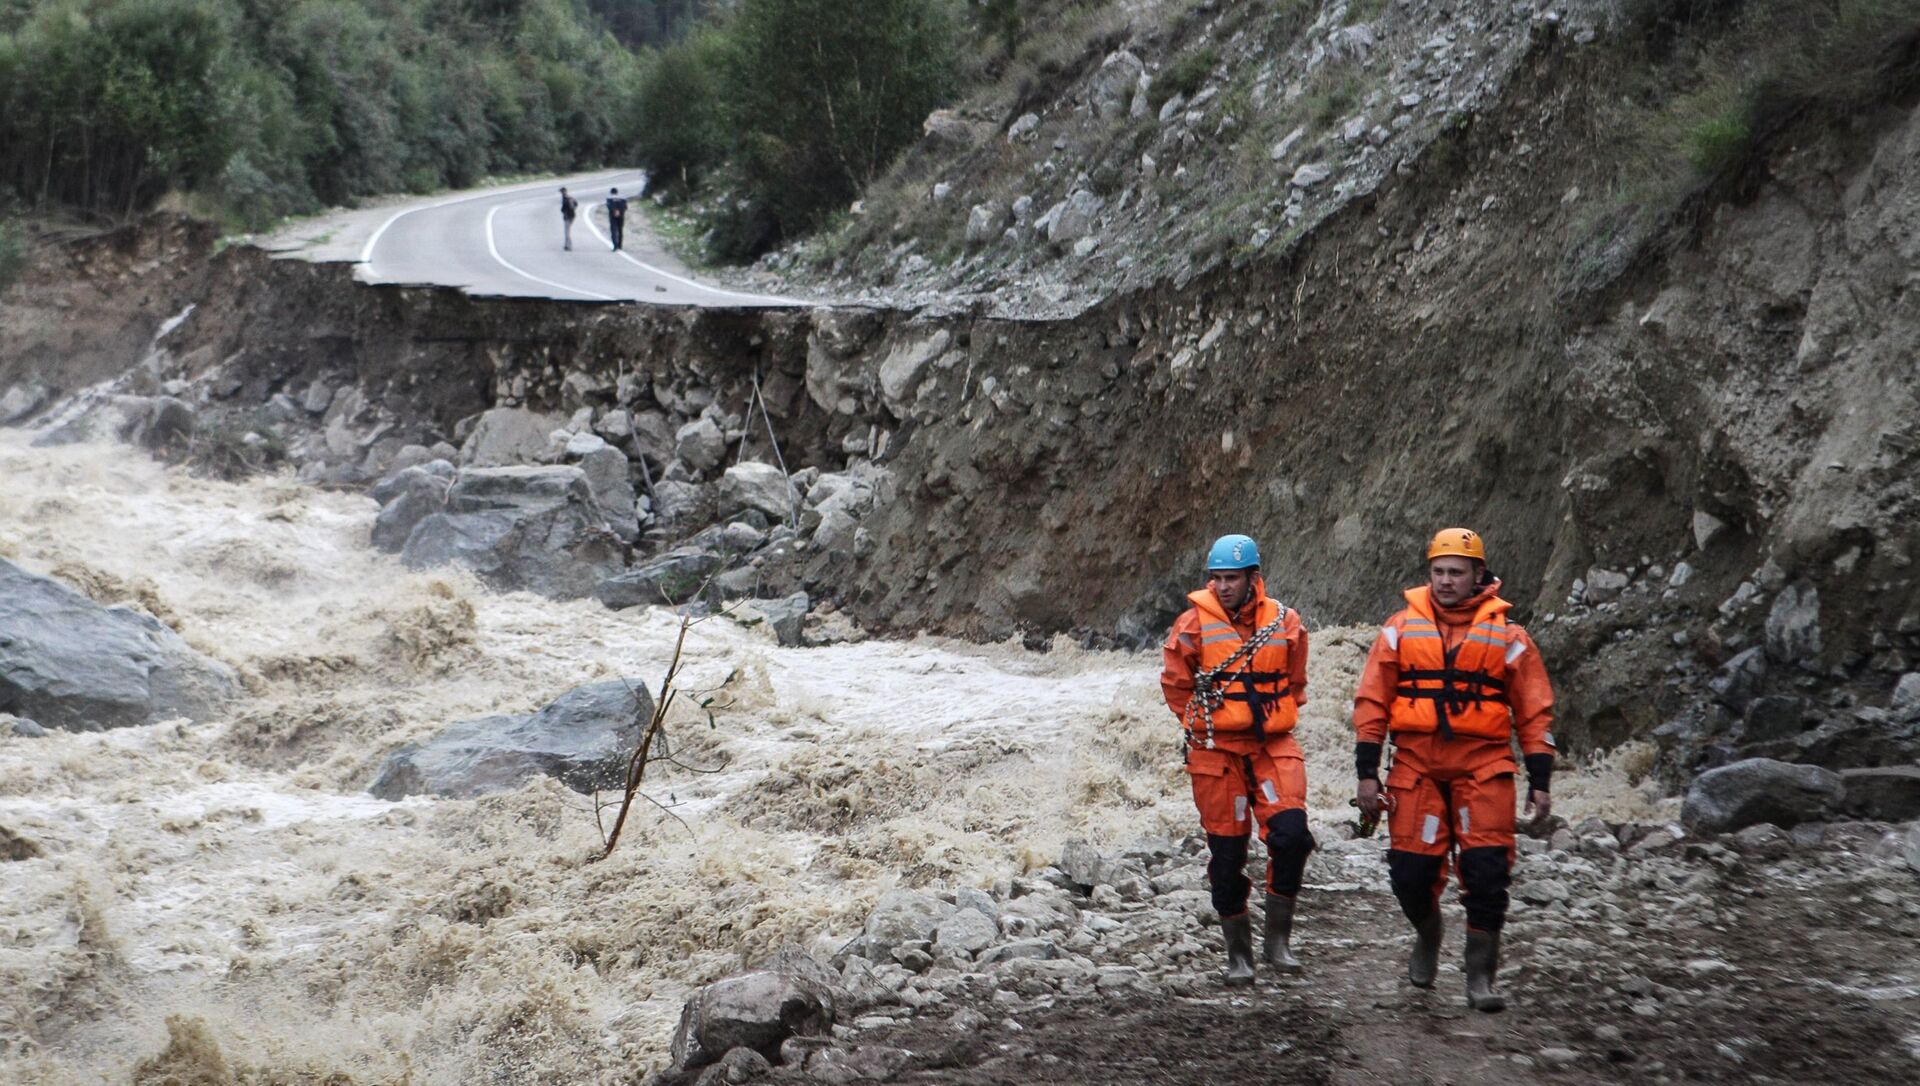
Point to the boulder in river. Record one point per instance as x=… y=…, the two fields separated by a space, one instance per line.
x=67 y=662
x=533 y=528
x=584 y=739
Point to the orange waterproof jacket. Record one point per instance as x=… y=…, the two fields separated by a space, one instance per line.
x=1494 y=686
x=1259 y=698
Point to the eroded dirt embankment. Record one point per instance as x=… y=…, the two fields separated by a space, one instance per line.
x=1707 y=449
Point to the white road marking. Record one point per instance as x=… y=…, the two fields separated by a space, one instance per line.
x=366 y=252
x=523 y=273
x=622 y=253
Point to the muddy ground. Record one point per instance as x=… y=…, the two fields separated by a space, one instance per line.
x=1804 y=971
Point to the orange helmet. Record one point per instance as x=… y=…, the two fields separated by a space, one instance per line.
x=1464 y=542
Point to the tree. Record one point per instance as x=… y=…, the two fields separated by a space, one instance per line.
x=681 y=133
x=823 y=93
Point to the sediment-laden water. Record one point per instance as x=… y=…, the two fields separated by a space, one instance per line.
x=232 y=886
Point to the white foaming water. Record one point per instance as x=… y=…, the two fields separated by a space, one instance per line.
x=234 y=877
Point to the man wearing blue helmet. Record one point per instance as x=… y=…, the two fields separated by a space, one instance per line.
x=1235 y=673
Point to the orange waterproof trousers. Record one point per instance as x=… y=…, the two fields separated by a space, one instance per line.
x=1237 y=793
x=1461 y=819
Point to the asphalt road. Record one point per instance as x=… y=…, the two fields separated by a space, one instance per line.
x=506 y=242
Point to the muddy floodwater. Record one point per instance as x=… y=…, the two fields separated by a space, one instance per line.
x=234 y=876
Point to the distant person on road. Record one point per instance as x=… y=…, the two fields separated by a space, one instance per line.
x=1453 y=681
x=616 y=217
x=1235 y=673
x=569 y=207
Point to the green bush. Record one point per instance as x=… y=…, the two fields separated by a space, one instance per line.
x=1182 y=77
x=682 y=135
x=822 y=94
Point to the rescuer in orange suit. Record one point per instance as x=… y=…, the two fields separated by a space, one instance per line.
x=1235 y=673
x=1453 y=681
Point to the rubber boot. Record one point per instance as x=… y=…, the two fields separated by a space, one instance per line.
x=1239 y=933
x=1275 y=949
x=1424 y=963
x=1483 y=961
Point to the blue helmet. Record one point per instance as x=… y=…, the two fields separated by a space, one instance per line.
x=1234 y=552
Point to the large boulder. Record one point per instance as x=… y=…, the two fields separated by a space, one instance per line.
x=610 y=480
x=1074 y=218
x=1793 y=625
x=406 y=498
x=1111 y=92
x=905 y=916
x=533 y=528
x=1888 y=794
x=510 y=435
x=1760 y=790
x=20 y=403
x=757 y=1010
x=153 y=422
x=669 y=580
x=68 y=662
x=584 y=739
x=700 y=444
x=751 y=485
x=906 y=366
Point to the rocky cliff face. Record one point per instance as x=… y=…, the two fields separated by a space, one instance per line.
x=1694 y=461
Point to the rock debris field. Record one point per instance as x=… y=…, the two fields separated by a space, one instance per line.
x=919 y=860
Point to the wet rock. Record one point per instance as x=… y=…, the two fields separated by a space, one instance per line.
x=584 y=739
x=1605 y=585
x=700 y=444
x=1776 y=717
x=903 y=916
x=1793 y=625
x=1706 y=528
x=1040 y=949
x=21 y=727
x=737 y=1066
x=751 y=485
x=1888 y=794
x=758 y=1011
x=787 y=618
x=1738 y=680
x=866 y=1063
x=72 y=664
x=966 y=931
x=20 y=402
x=1087 y=866
x=1759 y=790
x=151 y=422
x=408 y=497
x=505 y=436
x=610 y=481
x=532 y=528
x=669 y=580
x=1906 y=693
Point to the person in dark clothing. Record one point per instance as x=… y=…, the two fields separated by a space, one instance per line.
x=569 y=207
x=616 y=217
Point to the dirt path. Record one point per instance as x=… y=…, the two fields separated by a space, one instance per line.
x=1717 y=967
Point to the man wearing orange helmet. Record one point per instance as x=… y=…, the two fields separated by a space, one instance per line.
x=1234 y=670
x=1453 y=681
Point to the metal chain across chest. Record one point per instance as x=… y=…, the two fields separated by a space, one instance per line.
x=1209 y=691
